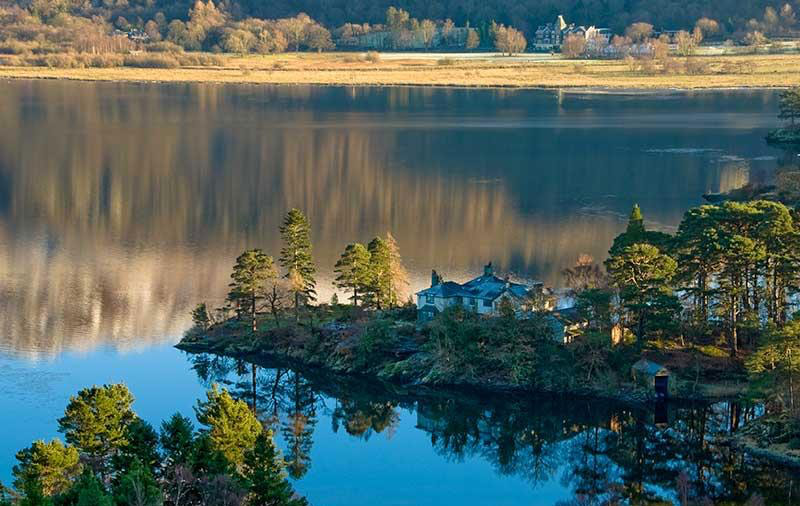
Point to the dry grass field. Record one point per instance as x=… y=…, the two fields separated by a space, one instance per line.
x=525 y=71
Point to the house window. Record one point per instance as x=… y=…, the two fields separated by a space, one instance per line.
x=487 y=303
x=430 y=299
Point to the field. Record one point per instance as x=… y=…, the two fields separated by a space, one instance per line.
x=462 y=70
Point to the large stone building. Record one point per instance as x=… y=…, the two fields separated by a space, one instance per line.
x=482 y=295
x=551 y=36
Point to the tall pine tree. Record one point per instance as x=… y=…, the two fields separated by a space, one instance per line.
x=297 y=259
x=352 y=271
x=251 y=272
x=265 y=476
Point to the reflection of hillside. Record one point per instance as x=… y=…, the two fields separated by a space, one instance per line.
x=123 y=204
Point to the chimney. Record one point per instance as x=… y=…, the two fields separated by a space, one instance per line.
x=435 y=280
x=488 y=270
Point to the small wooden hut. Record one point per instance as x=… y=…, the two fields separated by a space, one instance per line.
x=654 y=377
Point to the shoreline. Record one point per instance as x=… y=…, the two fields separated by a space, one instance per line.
x=568 y=89
x=719 y=73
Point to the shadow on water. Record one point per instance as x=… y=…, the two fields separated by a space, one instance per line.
x=600 y=452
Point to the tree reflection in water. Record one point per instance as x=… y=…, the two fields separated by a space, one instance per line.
x=602 y=452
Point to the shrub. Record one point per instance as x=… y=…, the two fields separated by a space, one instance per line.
x=373 y=57
x=13 y=47
x=445 y=61
x=105 y=60
x=696 y=66
x=151 y=61
x=794 y=443
x=164 y=46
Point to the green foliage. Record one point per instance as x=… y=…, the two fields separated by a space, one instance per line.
x=90 y=491
x=177 y=440
x=353 y=271
x=789 y=105
x=96 y=422
x=251 y=272
x=636 y=233
x=376 y=341
x=137 y=487
x=296 y=255
x=265 y=477
x=775 y=367
x=200 y=317
x=51 y=466
x=32 y=495
x=230 y=425
x=643 y=275
x=379 y=288
x=142 y=447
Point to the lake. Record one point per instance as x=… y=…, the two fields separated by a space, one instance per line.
x=124 y=205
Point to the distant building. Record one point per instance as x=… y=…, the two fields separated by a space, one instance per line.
x=551 y=36
x=481 y=295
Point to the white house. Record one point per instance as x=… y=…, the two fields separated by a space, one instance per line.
x=481 y=295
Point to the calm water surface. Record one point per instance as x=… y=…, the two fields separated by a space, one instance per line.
x=121 y=206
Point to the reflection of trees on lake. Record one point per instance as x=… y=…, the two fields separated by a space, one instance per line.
x=122 y=206
x=602 y=452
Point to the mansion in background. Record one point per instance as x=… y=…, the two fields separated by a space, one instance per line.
x=551 y=36
x=482 y=295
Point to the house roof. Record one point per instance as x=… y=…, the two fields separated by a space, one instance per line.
x=650 y=368
x=487 y=287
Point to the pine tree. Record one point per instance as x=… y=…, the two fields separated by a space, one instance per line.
x=251 y=272
x=379 y=287
x=90 y=491
x=296 y=257
x=230 y=424
x=137 y=487
x=397 y=272
x=176 y=438
x=352 y=271
x=96 y=422
x=644 y=275
x=264 y=473
x=789 y=105
x=52 y=466
x=142 y=447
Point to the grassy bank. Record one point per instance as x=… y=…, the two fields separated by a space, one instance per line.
x=525 y=71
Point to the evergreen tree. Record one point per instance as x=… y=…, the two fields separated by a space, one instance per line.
x=643 y=275
x=397 y=272
x=52 y=466
x=298 y=429
x=296 y=257
x=352 y=271
x=379 y=287
x=142 y=447
x=636 y=233
x=251 y=272
x=90 y=491
x=200 y=317
x=230 y=425
x=775 y=367
x=32 y=495
x=137 y=487
x=177 y=440
x=96 y=422
x=789 y=105
x=265 y=477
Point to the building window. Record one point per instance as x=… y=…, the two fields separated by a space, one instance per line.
x=430 y=299
x=487 y=303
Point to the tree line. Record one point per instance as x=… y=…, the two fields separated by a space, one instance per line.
x=245 y=26
x=113 y=457
x=372 y=274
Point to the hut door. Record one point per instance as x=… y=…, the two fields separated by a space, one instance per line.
x=662 y=386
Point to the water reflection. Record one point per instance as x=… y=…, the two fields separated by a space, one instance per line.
x=122 y=205
x=600 y=452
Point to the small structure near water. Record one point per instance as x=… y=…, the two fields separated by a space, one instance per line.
x=654 y=377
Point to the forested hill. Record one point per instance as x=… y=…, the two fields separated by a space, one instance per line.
x=525 y=14
x=733 y=15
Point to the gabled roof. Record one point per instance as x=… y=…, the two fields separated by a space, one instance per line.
x=486 y=287
x=650 y=368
